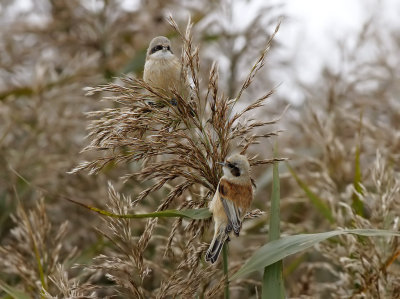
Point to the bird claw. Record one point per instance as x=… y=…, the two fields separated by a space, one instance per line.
x=228 y=228
x=236 y=231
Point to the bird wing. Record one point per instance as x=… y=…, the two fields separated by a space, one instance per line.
x=231 y=210
x=218 y=241
x=233 y=214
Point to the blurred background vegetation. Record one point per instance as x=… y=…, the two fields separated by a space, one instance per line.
x=342 y=140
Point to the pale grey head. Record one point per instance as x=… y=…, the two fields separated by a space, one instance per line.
x=237 y=166
x=160 y=47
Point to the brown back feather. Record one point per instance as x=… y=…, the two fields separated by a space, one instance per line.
x=241 y=195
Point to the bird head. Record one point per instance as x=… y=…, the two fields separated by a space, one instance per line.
x=236 y=166
x=159 y=48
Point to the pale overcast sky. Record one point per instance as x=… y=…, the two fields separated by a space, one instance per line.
x=315 y=26
x=310 y=31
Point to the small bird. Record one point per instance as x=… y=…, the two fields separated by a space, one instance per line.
x=163 y=69
x=230 y=203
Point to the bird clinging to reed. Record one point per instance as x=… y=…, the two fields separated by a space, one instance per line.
x=163 y=70
x=230 y=203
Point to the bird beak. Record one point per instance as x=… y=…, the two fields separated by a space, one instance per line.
x=221 y=163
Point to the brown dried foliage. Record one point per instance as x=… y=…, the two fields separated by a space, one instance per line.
x=171 y=146
x=44 y=66
x=350 y=112
x=34 y=249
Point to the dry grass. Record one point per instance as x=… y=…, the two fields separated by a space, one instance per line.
x=350 y=120
x=34 y=248
x=145 y=158
x=177 y=148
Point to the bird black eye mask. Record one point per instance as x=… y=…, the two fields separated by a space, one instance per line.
x=156 y=48
x=234 y=169
x=159 y=48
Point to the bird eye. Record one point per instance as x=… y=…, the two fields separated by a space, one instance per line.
x=169 y=48
x=234 y=169
x=156 y=48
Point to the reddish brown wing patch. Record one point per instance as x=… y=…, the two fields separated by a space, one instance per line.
x=222 y=190
x=241 y=195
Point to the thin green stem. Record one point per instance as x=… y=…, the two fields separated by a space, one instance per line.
x=225 y=262
x=272 y=285
x=35 y=247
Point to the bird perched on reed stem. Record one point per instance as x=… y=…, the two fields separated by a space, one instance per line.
x=230 y=203
x=163 y=69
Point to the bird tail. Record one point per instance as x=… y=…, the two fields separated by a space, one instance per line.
x=216 y=245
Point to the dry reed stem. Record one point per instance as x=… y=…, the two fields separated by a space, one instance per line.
x=175 y=146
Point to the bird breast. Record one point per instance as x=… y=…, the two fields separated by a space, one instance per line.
x=163 y=73
x=240 y=194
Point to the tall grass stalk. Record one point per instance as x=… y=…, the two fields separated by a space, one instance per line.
x=225 y=262
x=272 y=285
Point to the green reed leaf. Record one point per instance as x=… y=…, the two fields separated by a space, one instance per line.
x=318 y=202
x=272 y=285
x=13 y=292
x=279 y=249
x=197 y=214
